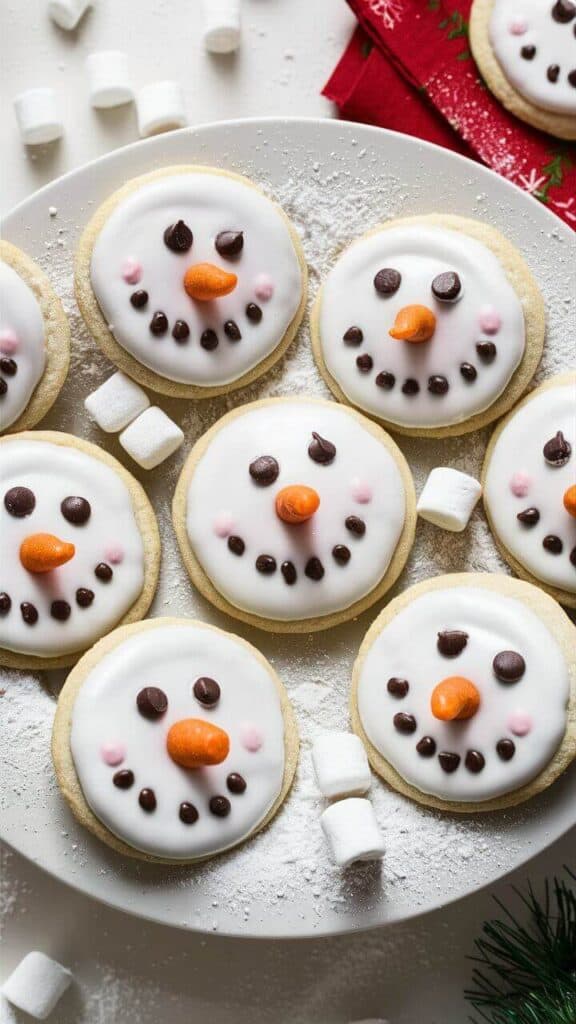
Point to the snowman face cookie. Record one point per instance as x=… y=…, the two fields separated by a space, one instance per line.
x=420 y=326
x=477 y=707
x=198 y=276
x=530 y=487
x=182 y=738
x=295 y=511
x=73 y=557
x=22 y=345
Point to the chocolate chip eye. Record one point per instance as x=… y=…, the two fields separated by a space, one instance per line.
x=264 y=470
x=509 y=666
x=178 y=237
x=151 y=702
x=19 y=501
x=447 y=286
x=76 y=510
x=557 y=450
x=321 y=450
x=387 y=281
x=229 y=244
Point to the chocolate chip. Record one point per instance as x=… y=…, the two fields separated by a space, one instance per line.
x=178 y=237
x=139 y=299
x=209 y=339
x=236 y=783
x=364 y=363
x=3 y=387
x=147 y=800
x=572 y=74
x=528 y=52
x=288 y=570
x=60 y=610
x=505 y=749
x=181 y=332
x=564 y=11
x=553 y=544
x=207 y=691
x=314 y=569
x=448 y=761
x=19 y=501
x=103 y=572
x=236 y=545
x=253 y=313
x=404 y=723
x=159 y=323
x=438 y=385
x=553 y=73
x=188 y=813
x=557 y=450
x=355 y=525
x=410 y=386
x=447 y=286
x=320 y=450
x=123 y=779
x=76 y=510
x=5 y=603
x=84 y=597
x=385 y=380
x=264 y=470
x=353 y=336
x=451 y=642
x=475 y=761
x=266 y=564
x=530 y=516
x=29 y=613
x=573 y=556
x=220 y=806
x=229 y=244
x=426 y=747
x=387 y=281
x=8 y=366
x=151 y=702
x=509 y=666
x=486 y=351
x=397 y=687
x=341 y=554
x=232 y=331
x=469 y=372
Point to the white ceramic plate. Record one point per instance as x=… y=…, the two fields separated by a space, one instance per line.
x=336 y=180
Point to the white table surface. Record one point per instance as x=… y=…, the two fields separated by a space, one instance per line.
x=127 y=971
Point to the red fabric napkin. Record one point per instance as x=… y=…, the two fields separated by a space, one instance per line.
x=408 y=67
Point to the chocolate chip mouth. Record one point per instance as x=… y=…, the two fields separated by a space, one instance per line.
x=209 y=339
x=59 y=609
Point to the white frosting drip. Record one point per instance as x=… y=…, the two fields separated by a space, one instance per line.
x=173 y=657
x=420 y=253
x=208 y=204
x=406 y=648
x=20 y=313
x=53 y=473
x=221 y=484
x=519 y=449
x=555 y=45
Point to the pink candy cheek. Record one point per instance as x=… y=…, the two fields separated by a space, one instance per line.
x=112 y=753
x=114 y=554
x=519 y=723
x=489 y=320
x=132 y=271
x=518 y=26
x=361 y=491
x=520 y=484
x=263 y=287
x=9 y=342
x=223 y=525
x=251 y=738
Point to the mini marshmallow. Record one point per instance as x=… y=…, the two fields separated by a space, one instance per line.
x=221 y=25
x=340 y=764
x=117 y=402
x=448 y=498
x=38 y=117
x=151 y=438
x=352 y=831
x=67 y=13
x=160 y=108
x=109 y=79
x=36 y=985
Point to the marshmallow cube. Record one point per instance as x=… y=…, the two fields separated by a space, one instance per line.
x=36 y=985
x=448 y=498
x=38 y=117
x=67 y=13
x=160 y=108
x=221 y=25
x=151 y=438
x=352 y=831
x=109 y=79
x=117 y=402
x=340 y=764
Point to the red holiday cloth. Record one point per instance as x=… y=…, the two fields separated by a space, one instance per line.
x=408 y=67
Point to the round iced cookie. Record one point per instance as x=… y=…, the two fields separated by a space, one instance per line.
x=174 y=740
x=433 y=325
x=34 y=341
x=526 y=52
x=79 y=548
x=464 y=692
x=294 y=514
x=529 y=482
x=191 y=280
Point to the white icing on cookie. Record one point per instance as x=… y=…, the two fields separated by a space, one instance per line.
x=22 y=345
x=536 y=50
x=406 y=648
x=105 y=713
x=487 y=310
x=110 y=535
x=519 y=478
x=363 y=481
x=130 y=254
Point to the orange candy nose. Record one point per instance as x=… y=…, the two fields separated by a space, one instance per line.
x=193 y=742
x=296 y=504
x=570 y=500
x=42 y=552
x=455 y=699
x=413 y=323
x=205 y=282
